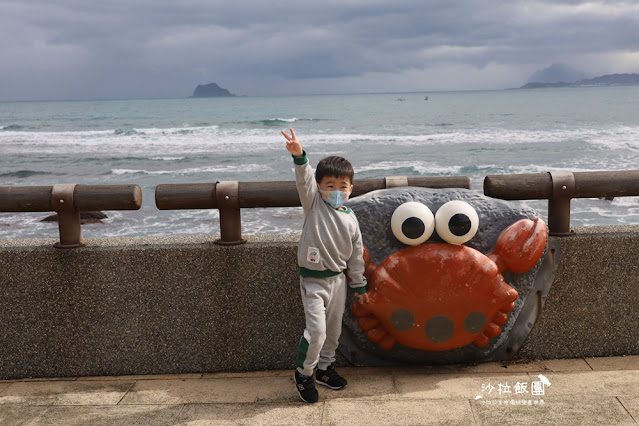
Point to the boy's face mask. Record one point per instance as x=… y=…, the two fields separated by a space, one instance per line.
x=334 y=199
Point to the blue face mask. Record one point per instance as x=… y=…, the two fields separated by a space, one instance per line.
x=334 y=199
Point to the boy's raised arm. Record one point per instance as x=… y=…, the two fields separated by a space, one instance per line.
x=304 y=179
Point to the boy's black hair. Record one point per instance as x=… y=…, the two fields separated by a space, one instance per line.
x=334 y=166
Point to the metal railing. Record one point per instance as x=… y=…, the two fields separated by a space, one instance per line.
x=230 y=197
x=559 y=188
x=68 y=200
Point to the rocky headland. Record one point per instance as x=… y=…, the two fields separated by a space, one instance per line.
x=561 y=75
x=211 y=90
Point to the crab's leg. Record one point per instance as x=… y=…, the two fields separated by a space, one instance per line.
x=367 y=323
x=379 y=336
x=500 y=318
x=491 y=330
x=387 y=342
x=481 y=340
x=359 y=309
x=372 y=326
x=376 y=334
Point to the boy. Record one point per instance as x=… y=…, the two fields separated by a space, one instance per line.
x=330 y=244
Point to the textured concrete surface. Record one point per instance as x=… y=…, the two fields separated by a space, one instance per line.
x=183 y=305
x=148 y=305
x=593 y=304
x=496 y=394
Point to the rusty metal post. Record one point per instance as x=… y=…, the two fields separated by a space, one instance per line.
x=563 y=189
x=68 y=216
x=228 y=204
x=395 y=181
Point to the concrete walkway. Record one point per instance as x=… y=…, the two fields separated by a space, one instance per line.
x=593 y=391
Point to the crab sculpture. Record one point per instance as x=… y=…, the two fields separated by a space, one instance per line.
x=440 y=296
x=455 y=283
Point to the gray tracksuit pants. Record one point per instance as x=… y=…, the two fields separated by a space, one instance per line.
x=324 y=300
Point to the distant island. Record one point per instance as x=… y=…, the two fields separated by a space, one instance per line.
x=611 y=80
x=211 y=90
x=601 y=81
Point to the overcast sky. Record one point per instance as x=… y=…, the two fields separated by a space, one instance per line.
x=85 y=49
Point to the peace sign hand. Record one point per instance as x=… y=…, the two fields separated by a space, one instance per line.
x=292 y=144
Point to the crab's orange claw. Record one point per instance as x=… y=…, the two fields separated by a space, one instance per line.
x=520 y=246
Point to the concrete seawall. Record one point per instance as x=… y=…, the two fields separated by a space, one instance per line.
x=148 y=305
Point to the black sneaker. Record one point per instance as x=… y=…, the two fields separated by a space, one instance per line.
x=330 y=378
x=306 y=388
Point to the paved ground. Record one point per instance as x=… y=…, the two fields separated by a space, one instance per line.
x=598 y=391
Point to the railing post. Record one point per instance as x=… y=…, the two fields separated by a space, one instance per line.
x=68 y=216
x=228 y=204
x=563 y=189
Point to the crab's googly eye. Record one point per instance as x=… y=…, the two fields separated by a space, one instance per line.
x=456 y=222
x=412 y=223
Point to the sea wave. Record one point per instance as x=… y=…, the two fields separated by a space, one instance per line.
x=24 y=173
x=632 y=202
x=412 y=167
x=127 y=132
x=248 y=168
x=110 y=132
x=197 y=138
x=278 y=121
x=425 y=168
x=166 y=158
x=281 y=121
x=12 y=127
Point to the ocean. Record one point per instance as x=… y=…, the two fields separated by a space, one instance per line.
x=151 y=142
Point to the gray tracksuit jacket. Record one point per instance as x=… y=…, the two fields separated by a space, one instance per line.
x=331 y=242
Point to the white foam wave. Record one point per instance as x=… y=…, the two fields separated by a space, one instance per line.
x=419 y=166
x=117 y=132
x=426 y=168
x=202 y=139
x=167 y=158
x=632 y=202
x=196 y=170
x=163 y=142
x=531 y=168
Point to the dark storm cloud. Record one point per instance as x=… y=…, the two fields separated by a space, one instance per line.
x=109 y=49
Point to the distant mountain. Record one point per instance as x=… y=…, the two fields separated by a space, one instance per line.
x=604 y=80
x=211 y=90
x=611 y=80
x=544 y=85
x=557 y=73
